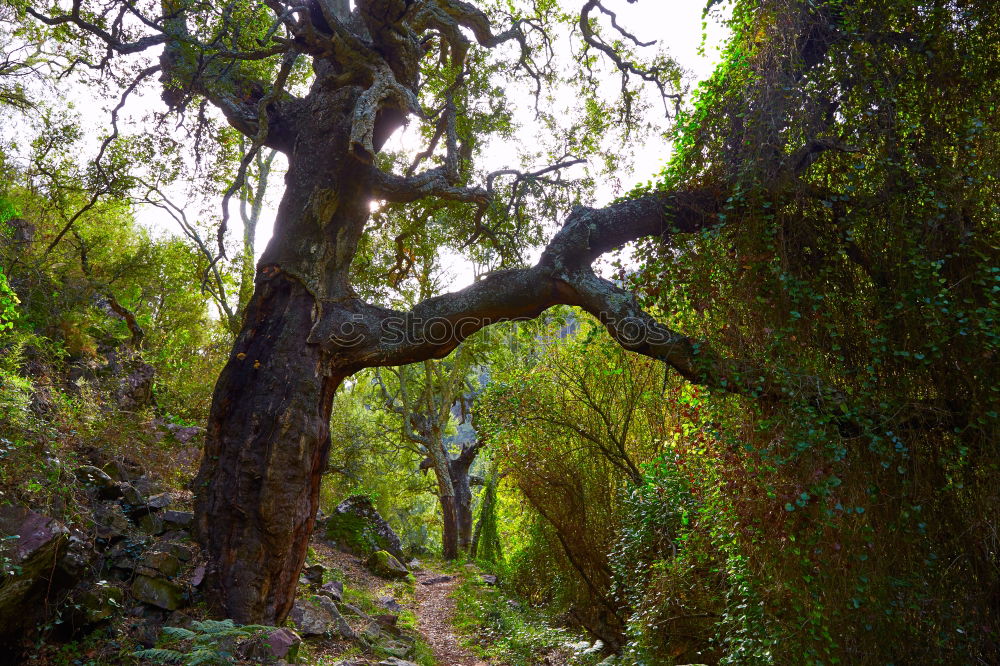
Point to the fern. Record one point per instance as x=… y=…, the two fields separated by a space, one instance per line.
x=161 y=655
x=206 y=642
x=178 y=633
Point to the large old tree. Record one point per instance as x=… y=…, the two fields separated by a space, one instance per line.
x=371 y=68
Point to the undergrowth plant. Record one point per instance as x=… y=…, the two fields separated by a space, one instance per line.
x=502 y=628
x=206 y=642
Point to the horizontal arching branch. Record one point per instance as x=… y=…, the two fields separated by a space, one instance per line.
x=359 y=335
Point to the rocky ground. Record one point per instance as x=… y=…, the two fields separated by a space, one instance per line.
x=104 y=587
x=419 y=608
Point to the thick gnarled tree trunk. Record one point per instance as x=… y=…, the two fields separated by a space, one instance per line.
x=267 y=443
x=306 y=330
x=268 y=434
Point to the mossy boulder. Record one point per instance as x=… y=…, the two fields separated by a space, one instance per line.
x=383 y=564
x=100 y=603
x=157 y=592
x=316 y=615
x=356 y=527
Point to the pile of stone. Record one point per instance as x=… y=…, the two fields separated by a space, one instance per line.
x=356 y=527
x=137 y=555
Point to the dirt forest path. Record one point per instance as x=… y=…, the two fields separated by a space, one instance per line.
x=435 y=609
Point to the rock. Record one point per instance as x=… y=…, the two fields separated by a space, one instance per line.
x=381 y=563
x=132 y=499
x=181 y=551
x=345 y=630
x=137 y=501
x=158 y=592
x=166 y=563
x=177 y=519
x=119 y=470
x=437 y=579
x=355 y=611
x=175 y=536
x=281 y=644
x=390 y=604
x=125 y=554
x=488 y=579
x=397 y=649
x=147 y=632
x=314 y=574
x=147 y=485
x=372 y=631
x=315 y=616
x=99 y=480
x=110 y=522
x=334 y=590
x=358 y=528
x=135 y=390
x=31 y=546
x=100 y=603
x=78 y=557
x=198 y=576
x=387 y=620
x=395 y=661
x=158 y=501
x=27 y=532
x=179 y=619
x=184 y=434
x=414 y=565
x=339 y=623
x=151 y=524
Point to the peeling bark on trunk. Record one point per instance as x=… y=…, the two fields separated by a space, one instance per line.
x=268 y=438
x=267 y=445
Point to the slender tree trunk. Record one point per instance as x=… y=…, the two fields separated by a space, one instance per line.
x=251 y=206
x=449 y=527
x=446 y=496
x=463 y=500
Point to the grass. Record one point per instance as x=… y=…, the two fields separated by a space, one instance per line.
x=497 y=626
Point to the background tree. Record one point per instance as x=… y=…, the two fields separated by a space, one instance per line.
x=572 y=430
x=856 y=250
x=423 y=399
